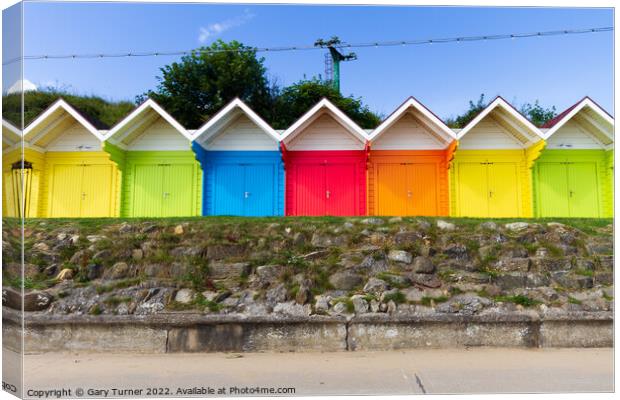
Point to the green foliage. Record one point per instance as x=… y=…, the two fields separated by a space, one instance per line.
x=203 y=82
x=113 y=301
x=427 y=301
x=27 y=283
x=346 y=301
x=573 y=300
x=537 y=114
x=102 y=113
x=474 y=109
x=95 y=310
x=398 y=297
x=585 y=272
x=211 y=305
x=517 y=299
x=295 y=100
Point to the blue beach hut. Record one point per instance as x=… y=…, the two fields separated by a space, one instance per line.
x=243 y=172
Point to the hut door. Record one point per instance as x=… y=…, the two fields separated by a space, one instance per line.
x=391 y=189
x=96 y=191
x=177 y=190
x=258 y=193
x=473 y=190
x=582 y=190
x=310 y=193
x=503 y=190
x=421 y=189
x=340 y=189
x=147 y=191
x=66 y=196
x=568 y=189
x=228 y=189
x=553 y=190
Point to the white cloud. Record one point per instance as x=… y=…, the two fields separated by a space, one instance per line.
x=22 y=85
x=218 y=28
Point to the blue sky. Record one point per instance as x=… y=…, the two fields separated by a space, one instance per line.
x=555 y=70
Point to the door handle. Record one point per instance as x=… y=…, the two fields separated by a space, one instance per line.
x=246 y=194
x=83 y=196
x=490 y=194
x=166 y=194
x=409 y=194
x=570 y=193
x=327 y=193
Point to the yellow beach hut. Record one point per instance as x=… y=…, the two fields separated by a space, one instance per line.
x=12 y=167
x=73 y=177
x=491 y=174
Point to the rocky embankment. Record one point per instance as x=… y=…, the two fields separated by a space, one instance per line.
x=302 y=266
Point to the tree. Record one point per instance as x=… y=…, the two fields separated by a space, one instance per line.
x=100 y=112
x=537 y=114
x=295 y=100
x=474 y=109
x=204 y=81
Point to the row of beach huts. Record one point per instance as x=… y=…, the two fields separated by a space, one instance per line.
x=149 y=165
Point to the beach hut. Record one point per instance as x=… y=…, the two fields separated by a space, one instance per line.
x=491 y=173
x=243 y=172
x=574 y=175
x=71 y=175
x=12 y=168
x=160 y=174
x=410 y=153
x=325 y=155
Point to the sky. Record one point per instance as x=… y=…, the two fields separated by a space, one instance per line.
x=557 y=71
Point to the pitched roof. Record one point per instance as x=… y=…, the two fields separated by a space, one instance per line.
x=532 y=132
x=314 y=112
x=226 y=115
x=412 y=102
x=556 y=123
x=11 y=135
x=149 y=104
x=63 y=106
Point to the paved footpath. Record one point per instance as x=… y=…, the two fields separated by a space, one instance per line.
x=477 y=370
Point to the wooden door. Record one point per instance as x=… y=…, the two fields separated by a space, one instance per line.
x=259 y=190
x=228 y=189
x=503 y=189
x=421 y=189
x=583 y=190
x=310 y=190
x=178 y=190
x=553 y=190
x=66 y=191
x=147 y=191
x=391 y=189
x=473 y=190
x=341 y=189
x=96 y=190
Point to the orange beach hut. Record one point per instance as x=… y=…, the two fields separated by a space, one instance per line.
x=410 y=154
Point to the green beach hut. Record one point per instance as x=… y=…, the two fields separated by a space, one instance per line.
x=574 y=175
x=160 y=174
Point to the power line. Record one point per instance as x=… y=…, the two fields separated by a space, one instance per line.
x=313 y=47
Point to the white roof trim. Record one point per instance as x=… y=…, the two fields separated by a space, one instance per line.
x=586 y=102
x=411 y=103
x=61 y=103
x=14 y=135
x=347 y=122
x=150 y=103
x=6 y=124
x=499 y=102
x=230 y=108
